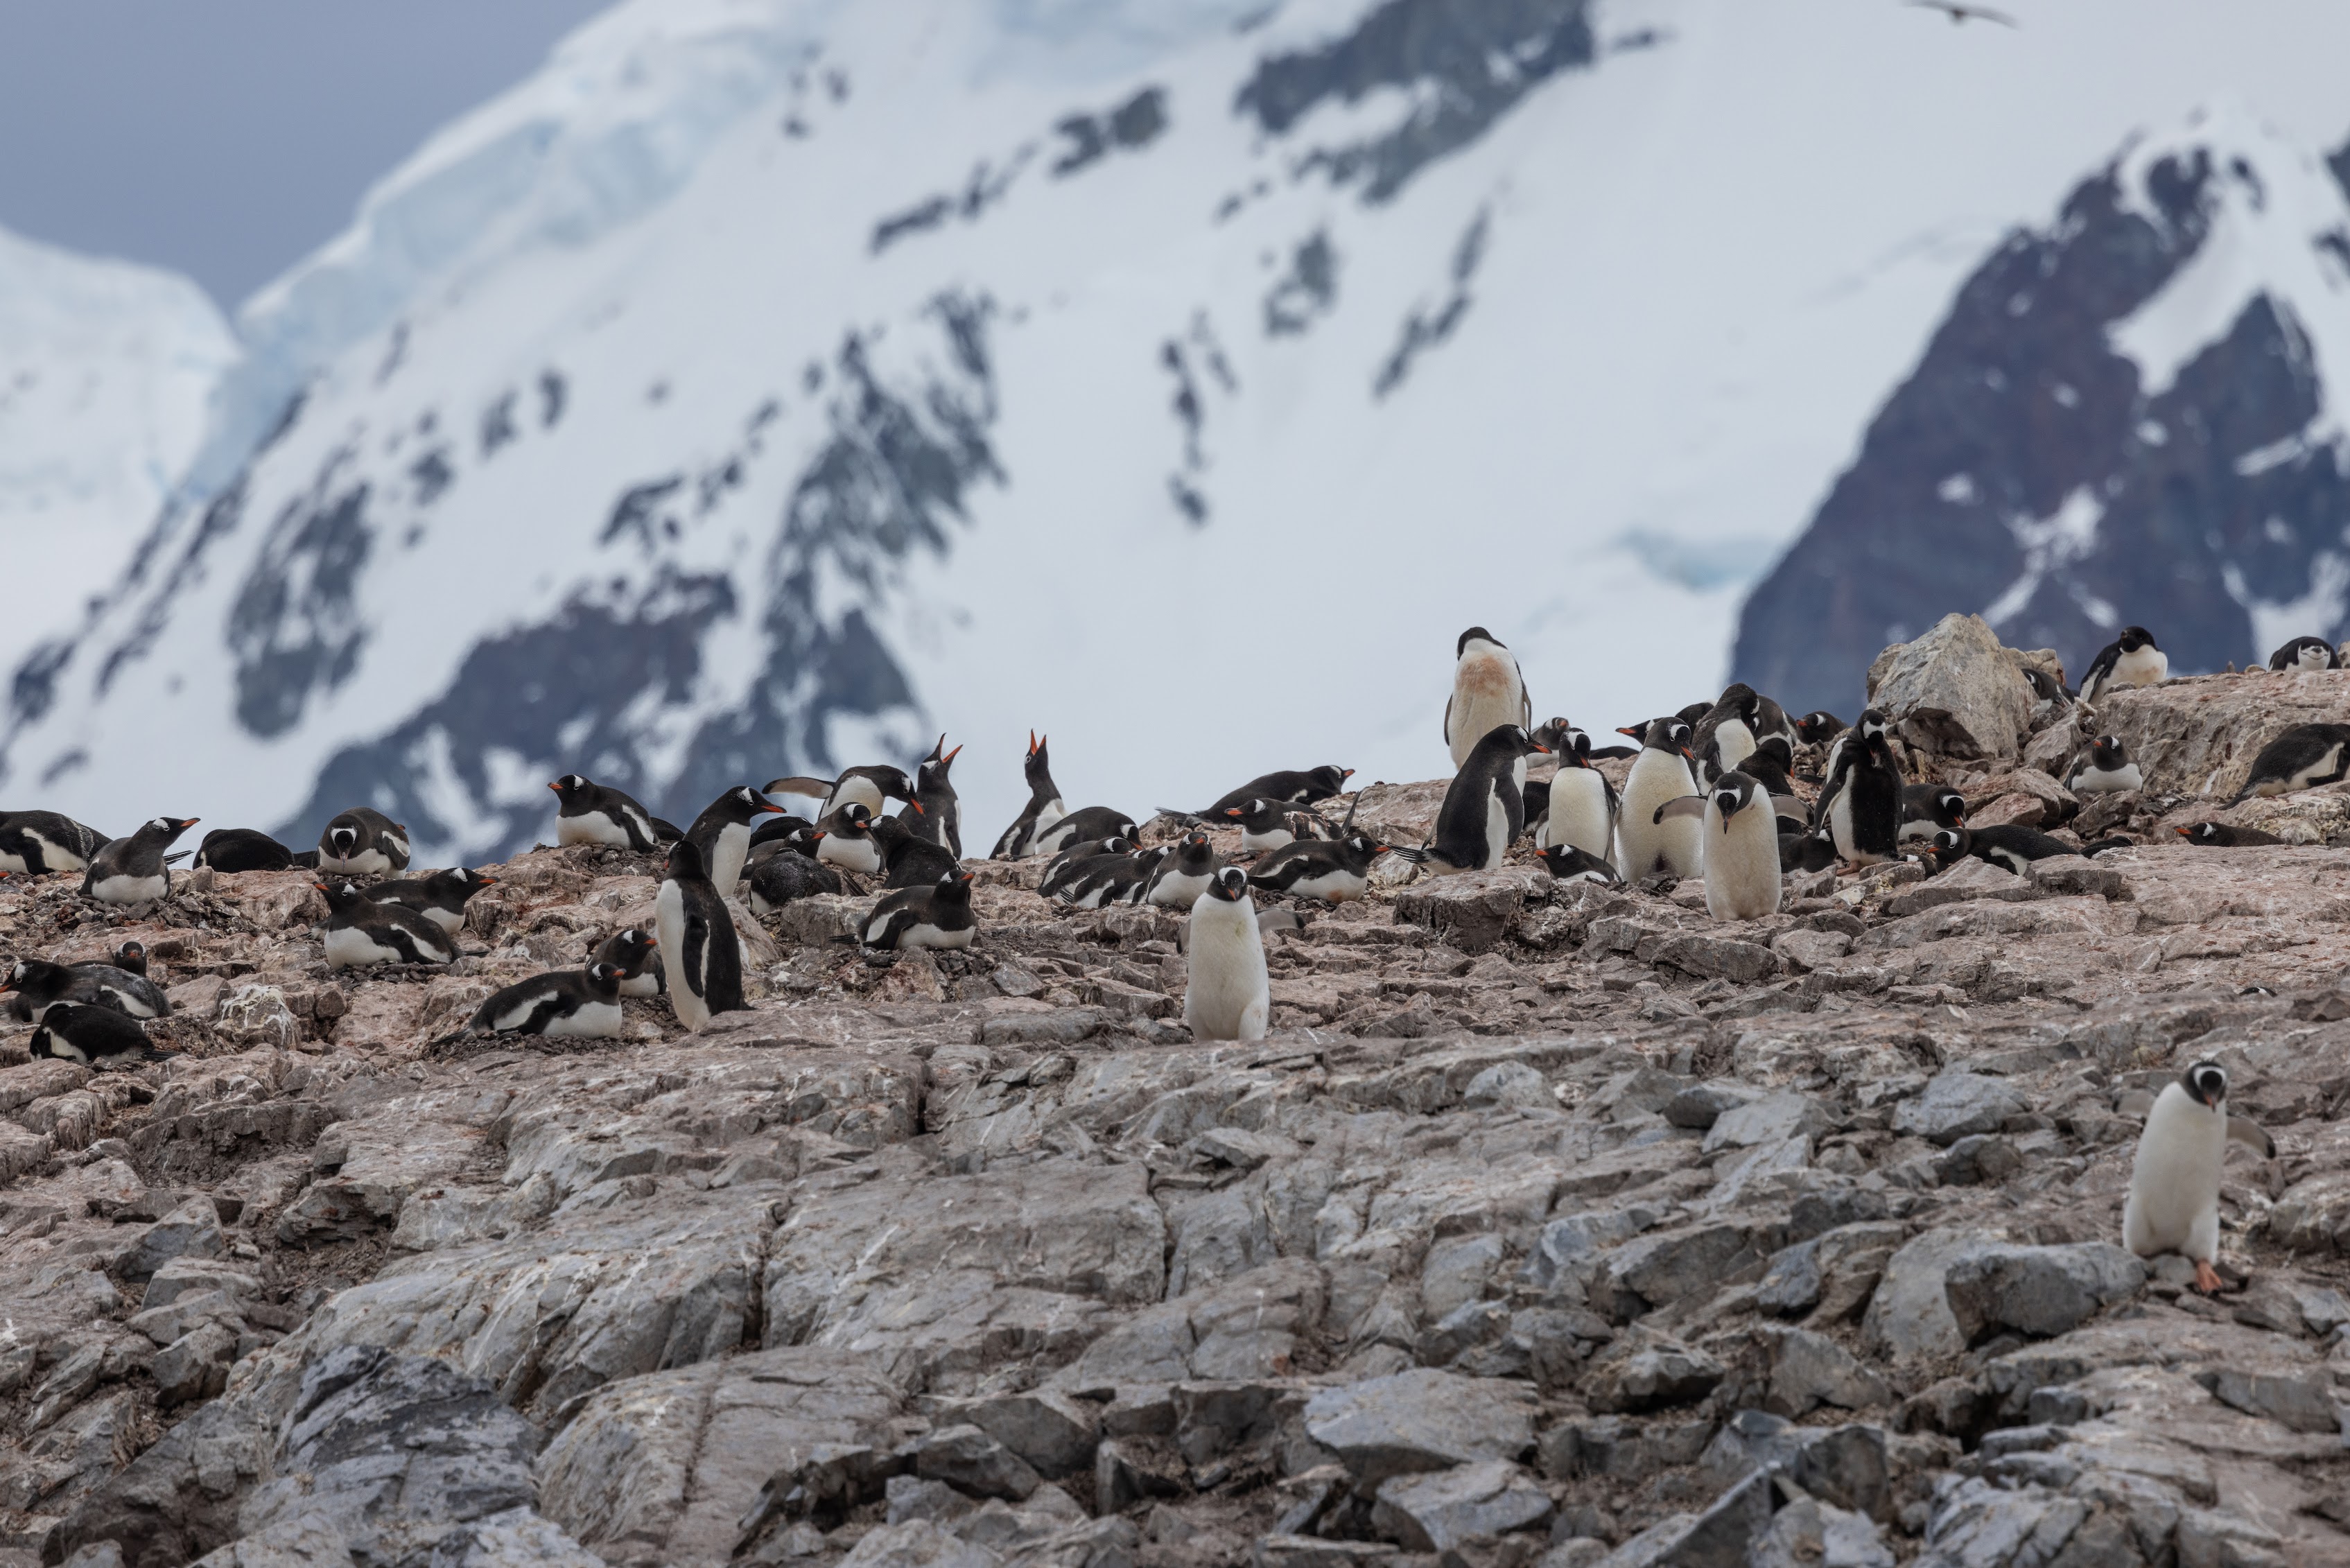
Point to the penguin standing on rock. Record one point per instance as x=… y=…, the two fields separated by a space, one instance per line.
x=2174 y=1192
x=1043 y=810
x=1229 y=992
x=232 y=850
x=701 y=957
x=2107 y=769
x=563 y=1004
x=1725 y=737
x=938 y=916
x=632 y=952
x=1865 y=819
x=363 y=842
x=77 y=1032
x=2130 y=660
x=359 y=931
x=1651 y=843
x=1742 y=846
x=1488 y=691
x=1484 y=807
x=723 y=832
x=588 y=812
x=940 y=817
x=2304 y=757
x=34 y=842
x=133 y=870
x=1581 y=805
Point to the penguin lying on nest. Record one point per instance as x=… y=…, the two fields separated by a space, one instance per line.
x=2304 y=757
x=93 y=1036
x=590 y=812
x=562 y=1004
x=38 y=985
x=938 y=916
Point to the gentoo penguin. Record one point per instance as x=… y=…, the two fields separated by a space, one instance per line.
x=2010 y=844
x=909 y=860
x=1771 y=764
x=869 y=785
x=363 y=842
x=781 y=829
x=2107 y=769
x=1674 y=846
x=701 y=959
x=723 y=832
x=361 y=931
x=2174 y=1193
x=2130 y=660
x=1816 y=726
x=1742 y=846
x=1331 y=871
x=1097 y=881
x=1484 y=807
x=1076 y=827
x=1804 y=849
x=1178 y=879
x=75 y=1032
x=938 y=916
x=1488 y=692
x=1230 y=995
x=588 y=812
x=845 y=839
x=440 y=897
x=940 y=817
x=633 y=952
x=1268 y=825
x=1725 y=737
x=1842 y=751
x=1581 y=809
x=1866 y=818
x=34 y=842
x=133 y=870
x=1289 y=786
x=130 y=958
x=2306 y=653
x=1769 y=722
x=563 y=1004
x=1043 y=810
x=1116 y=843
x=1926 y=809
x=2303 y=757
x=2226 y=835
x=786 y=875
x=2045 y=688
x=1570 y=864
x=39 y=985
x=231 y=850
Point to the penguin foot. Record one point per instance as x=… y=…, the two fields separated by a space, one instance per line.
x=2206 y=1277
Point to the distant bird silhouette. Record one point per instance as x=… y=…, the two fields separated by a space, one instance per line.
x=1958 y=13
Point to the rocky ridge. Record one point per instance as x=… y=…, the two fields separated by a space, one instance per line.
x=1552 y=1224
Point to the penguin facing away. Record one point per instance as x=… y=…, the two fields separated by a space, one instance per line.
x=1229 y=995
x=908 y=860
x=2130 y=660
x=359 y=931
x=1085 y=822
x=701 y=957
x=2174 y=1192
x=1043 y=810
x=1488 y=691
x=2107 y=769
x=1651 y=844
x=2301 y=758
x=1742 y=846
x=589 y=813
x=576 y=1004
x=232 y=850
x=1484 y=807
x=786 y=875
x=440 y=897
x=133 y=870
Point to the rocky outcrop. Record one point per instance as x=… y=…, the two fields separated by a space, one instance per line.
x=1954 y=693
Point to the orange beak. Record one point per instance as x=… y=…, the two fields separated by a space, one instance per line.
x=1543 y=749
x=2183 y=832
x=1628 y=730
x=918 y=808
x=769 y=806
x=950 y=756
x=555 y=788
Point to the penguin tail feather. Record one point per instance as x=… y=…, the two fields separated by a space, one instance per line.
x=1411 y=856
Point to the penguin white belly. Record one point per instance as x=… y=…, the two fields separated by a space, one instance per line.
x=1051 y=812
x=2174 y=1195
x=1840 y=829
x=596 y=1020
x=669 y=930
x=65 y=1050
x=56 y=856
x=857 y=791
x=1264 y=842
x=2323 y=767
x=1486 y=692
x=645 y=985
x=1334 y=887
x=925 y=936
x=130 y=889
x=1674 y=845
x=1735 y=742
x=128 y=1004
x=366 y=863
x=1180 y=891
x=861 y=855
x=1497 y=828
x=2145 y=667
x=1230 y=995
x=1578 y=813
x=727 y=853
x=15 y=865
x=2108 y=781
x=590 y=827
x=450 y=921
x=347 y=947
x=1741 y=864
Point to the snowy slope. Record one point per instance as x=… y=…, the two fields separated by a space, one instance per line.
x=2135 y=414
x=768 y=384
x=105 y=373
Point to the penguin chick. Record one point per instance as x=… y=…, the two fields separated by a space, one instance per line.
x=1488 y=691
x=1086 y=822
x=35 y=842
x=633 y=952
x=589 y=813
x=440 y=897
x=2174 y=1193
x=2107 y=769
x=1184 y=873
x=1043 y=810
x=232 y=850
x=1230 y=994
x=2130 y=660
x=1742 y=846
x=786 y=876
x=77 y=1032
x=2301 y=758
x=938 y=916
x=131 y=870
x=1926 y=809
x=363 y=842
x=1649 y=843
x=702 y=959
x=361 y=931
x=2225 y=835
x=2306 y=653
x=1819 y=725
x=1865 y=818
x=563 y=1005
x=1485 y=805
x=1332 y=871
x=1569 y=863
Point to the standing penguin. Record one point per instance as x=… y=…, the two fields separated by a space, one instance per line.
x=1582 y=802
x=131 y=870
x=1488 y=691
x=1742 y=846
x=2107 y=769
x=1230 y=995
x=1043 y=810
x=2130 y=660
x=363 y=842
x=1725 y=737
x=701 y=959
x=1865 y=819
x=2174 y=1193
x=723 y=832
x=1485 y=805
x=940 y=817
x=1651 y=844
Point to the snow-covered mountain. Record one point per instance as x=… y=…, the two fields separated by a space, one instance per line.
x=106 y=371
x=2133 y=415
x=770 y=384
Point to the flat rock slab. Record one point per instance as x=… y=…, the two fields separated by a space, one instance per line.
x=1421 y=1421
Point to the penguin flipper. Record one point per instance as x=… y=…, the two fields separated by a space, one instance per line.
x=2252 y=1136
x=665 y=832
x=1790 y=808
x=1679 y=806
x=799 y=784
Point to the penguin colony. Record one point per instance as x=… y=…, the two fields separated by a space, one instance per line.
x=1709 y=794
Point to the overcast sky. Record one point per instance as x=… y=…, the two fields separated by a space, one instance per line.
x=224 y=138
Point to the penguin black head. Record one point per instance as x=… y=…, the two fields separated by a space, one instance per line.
x=1230 y=885
x=2207 y=1082
x=1732 y=794
x=1330 y=779
x=2203 y=833
x=341 y=896
x=2132 y=638
x=569 y=785
x=2106 y=752
x=1870 y=723
x=166 y=828
x=1666 y=734
x=1359 y=844
x=851 y=821
x=939 y=760
x=1518 y=741
x=1481 y=635
x=685 y=860
x=36 y=975
x=631 y=948
x=344 y=841
x=1952 y=806
x=2043 y=685
x=604 y=979
x=131 y=958
x=1740 y=698
x=1817 y=725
